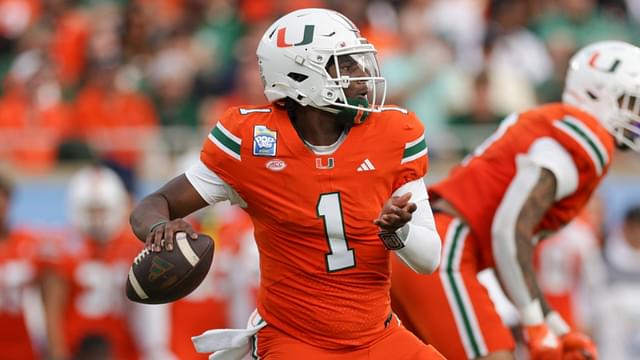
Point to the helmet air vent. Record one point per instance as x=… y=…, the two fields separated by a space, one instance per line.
x=297 y=77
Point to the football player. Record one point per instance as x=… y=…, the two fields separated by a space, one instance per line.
x=19 y=269
x=333 y=183
x=532 y=176
x=84 y=291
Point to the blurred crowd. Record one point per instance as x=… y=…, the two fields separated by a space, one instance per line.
x=128 y=81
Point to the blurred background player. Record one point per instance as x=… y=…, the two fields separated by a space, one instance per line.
x=19 y=270
x=227 y=296
x=617 y=304
x=531 y=177
x=87 y=313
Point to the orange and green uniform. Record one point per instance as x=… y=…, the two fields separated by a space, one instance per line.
x=325 y=274
x=451 y=309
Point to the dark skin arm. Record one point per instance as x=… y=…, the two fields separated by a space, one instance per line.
x=537 y=204
x=169 y=204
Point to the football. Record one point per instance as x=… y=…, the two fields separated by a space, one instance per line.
x=165 y=276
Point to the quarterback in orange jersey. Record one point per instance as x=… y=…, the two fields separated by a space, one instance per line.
x=19 y=268
x=532 y=176
x=87 y=312
x=332 y=181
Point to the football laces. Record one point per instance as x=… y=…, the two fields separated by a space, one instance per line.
x=141 y=256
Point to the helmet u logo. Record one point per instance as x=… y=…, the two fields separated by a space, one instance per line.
x=612 y=68
x=307 y=38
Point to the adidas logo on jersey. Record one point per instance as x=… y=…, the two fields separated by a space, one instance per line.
x=366 y=166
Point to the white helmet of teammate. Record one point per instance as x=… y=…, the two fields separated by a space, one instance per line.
x=294 y=52
x=97 y=203
x=603 y=79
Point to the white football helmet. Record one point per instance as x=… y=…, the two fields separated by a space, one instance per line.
x=603 y=79
x=294 y=52
x=97 y=203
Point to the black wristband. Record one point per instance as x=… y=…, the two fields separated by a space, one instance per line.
x=391 y=240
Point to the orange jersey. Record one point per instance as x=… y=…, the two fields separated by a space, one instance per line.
x=96 y=303
x=19 y=267
x=476 y=188
x=324 y=271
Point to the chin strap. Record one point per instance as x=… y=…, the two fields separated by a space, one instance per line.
x=349 y=116
x=354 y=116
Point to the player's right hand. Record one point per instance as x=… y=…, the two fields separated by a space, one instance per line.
x=542 y=343
x=577 y=346
x=164 y=234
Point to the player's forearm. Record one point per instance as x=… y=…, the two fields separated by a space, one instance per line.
x=422 y=248
x=525 y=250
x=152 y=210
x=422 y=244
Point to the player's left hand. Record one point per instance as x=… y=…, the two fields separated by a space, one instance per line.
x=396 y=212
x=577 y=346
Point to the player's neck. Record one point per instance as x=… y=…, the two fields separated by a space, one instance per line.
x=317 y=127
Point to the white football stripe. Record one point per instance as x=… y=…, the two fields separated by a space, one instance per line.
x=185 y=249
x=136 y=285
x=229 y=134
x=414 y=142
x=249 y=111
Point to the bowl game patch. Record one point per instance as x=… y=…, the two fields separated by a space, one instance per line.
x=264 y=141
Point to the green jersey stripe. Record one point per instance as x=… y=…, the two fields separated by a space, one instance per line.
x=587 y=140
x=254 y=338
x=228 y=133
x=456 y=291
x=229 y=144
x=414 y=150
x=254 y=345
x=594 y=141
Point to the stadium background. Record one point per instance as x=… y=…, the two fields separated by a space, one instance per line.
x=137 y=84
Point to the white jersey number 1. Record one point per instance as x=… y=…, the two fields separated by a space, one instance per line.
x=340 y=256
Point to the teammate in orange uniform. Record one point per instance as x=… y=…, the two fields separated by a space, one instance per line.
x=227 y=296
x=532 y=176
x=19 y=267
x=87 y=312
x=320 y=170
